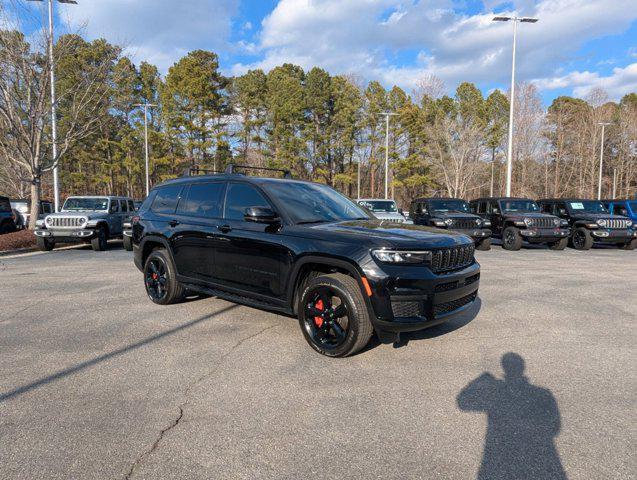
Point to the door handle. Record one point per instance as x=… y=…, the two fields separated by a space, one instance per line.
x=224 y=228
x=173 y=223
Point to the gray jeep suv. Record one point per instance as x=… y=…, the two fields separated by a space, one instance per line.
x=85 y=219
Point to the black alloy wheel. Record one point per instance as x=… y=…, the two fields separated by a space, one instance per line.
x=155 y=279
x=582 y=240
x=326 y=318
x=511 y=239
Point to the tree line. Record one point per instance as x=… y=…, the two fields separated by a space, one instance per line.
x=322 y=127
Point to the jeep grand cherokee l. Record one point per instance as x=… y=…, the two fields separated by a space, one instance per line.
x=517 y=219
x=304 y=250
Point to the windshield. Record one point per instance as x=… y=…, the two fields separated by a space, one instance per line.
x=633 y=206
x=586 y=206
x=78 y=203
x=380 y=206
x=5 y=206
x=314 y=203
x=519 y=206
x=449 y=206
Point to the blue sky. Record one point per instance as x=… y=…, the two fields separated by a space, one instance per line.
x=577 y=46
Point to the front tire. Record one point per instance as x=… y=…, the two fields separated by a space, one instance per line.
x=128 y=243
x=44 y=244
x=559 y=245
x=160 y=279
x=511 y=239
x=581 y=239
x=484 y=245
x=99 y=242
x=333 y=315
x=632 y=245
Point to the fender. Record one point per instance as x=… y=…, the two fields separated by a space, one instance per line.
x=342 y=263
x=139 y=261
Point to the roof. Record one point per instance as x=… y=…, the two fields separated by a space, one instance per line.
x=375 y=200
x=486 y=199
x=228 y=177
x=427 y=199
x=116 y=197
x=568 y=200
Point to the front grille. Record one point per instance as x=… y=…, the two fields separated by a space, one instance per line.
x=405 y=309
x=543 y=222
x=445 y=287
x=455 y=258
x=64 y=222
x=449 y=307
x=615 y=223
x=463 y=223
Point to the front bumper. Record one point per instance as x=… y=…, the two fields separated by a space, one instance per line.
x=541 y=235
x=477 y=234
x=409 y=299
x=613 y=236
x=65 y=236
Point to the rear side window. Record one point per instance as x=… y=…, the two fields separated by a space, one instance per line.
x=131 y=206
x=241 y=196
x=204 y=200
x=166 y=199
x=124 y=205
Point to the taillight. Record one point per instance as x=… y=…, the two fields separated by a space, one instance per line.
x=134 y=220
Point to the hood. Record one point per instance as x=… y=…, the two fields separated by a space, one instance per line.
x=454 y=216
x=90 y=214
x=389 y=216
x=529 y=215
x=598 y=216
x=382 y=233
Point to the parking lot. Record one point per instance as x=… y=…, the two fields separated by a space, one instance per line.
x=98 y=382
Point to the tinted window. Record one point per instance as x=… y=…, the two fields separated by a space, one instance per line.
x=5 y=205
x=241 y=196
x=204 y=200
x=123 y=205
x=79 y=204
x=131 y=206
x=46 y=208
x=166 y=199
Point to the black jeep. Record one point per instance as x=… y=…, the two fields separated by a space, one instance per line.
x=7 y=216
x=517 y=219
x=300 y=249
x=591 y=222
x=452 y=214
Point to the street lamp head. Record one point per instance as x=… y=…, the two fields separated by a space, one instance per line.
x=502 y=19
x=528 y=20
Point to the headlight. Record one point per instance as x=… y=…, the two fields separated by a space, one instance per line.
x=601 y=222
x=439 y=223
x=448 y=222
x=48 y=220
x=629 y=223
x=529 y=222
x=486 y=223
x=83 y=220
x=556 y=222
x=564 y=223
x=400 y=256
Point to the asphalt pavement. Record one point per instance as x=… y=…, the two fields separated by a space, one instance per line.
x=537 y=381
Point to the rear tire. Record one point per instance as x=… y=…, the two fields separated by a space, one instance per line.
x=160 y=279
x=99 y=242
x=559 y=245
x=484 y=245
x=581 y=239
x=632 y=245
x=511 y=239
x=128 y=243
x=44 y=244
x=357 y=331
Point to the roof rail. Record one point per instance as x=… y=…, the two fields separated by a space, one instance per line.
x=197 y=170
x=230 y=169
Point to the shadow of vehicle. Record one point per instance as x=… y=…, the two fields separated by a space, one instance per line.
x=523 y=421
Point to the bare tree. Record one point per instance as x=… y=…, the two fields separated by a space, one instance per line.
x=25 y=109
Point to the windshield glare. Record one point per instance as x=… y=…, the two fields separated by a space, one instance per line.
x=380 y=206
x=519 y=206
x=86 y=204
x=446 y=206
x=586 y=206
x=311 y=202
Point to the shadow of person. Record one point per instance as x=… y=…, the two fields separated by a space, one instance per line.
x=523 y=421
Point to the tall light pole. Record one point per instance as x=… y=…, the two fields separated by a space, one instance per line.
x=146 y=106
x=515 y=19
x=54 y=147
x=601 y=160
x=387 y=115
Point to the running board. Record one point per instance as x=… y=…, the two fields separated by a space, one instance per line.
x=233 y=297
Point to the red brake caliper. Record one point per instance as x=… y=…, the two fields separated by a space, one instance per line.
x=318 y=321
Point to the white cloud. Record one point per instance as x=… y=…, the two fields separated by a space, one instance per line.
x=157 y=31
x=617 y=84
x=362 y=36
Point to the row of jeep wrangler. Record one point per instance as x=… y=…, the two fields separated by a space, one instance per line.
x=557 y=223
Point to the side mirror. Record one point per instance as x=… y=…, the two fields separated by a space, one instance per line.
x=400 y=210
x=260 y=215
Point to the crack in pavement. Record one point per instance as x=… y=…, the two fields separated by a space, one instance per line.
x=138 y=461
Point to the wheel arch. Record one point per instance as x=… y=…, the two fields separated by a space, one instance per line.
x=152 y=242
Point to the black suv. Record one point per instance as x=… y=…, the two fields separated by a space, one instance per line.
x=7 y=216
x=591 y=222
x=452 y=214
x=300 y=249
x=517 y=219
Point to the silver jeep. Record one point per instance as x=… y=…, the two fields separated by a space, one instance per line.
x=90 y=219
